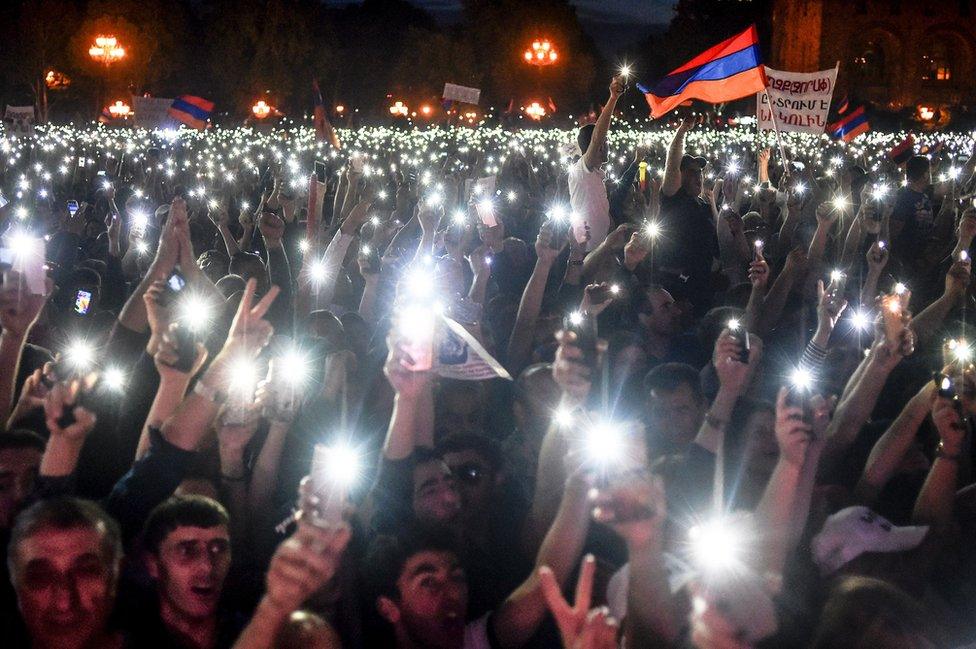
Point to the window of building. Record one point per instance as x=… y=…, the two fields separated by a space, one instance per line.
x=936 y=64
x=869 y=64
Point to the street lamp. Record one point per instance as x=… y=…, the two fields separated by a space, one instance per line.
x=261 y=109
x=541 y=54
x=106 y=50
x=119 y=109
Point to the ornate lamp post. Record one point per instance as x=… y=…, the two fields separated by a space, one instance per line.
x=541 y=54
x=105 y=50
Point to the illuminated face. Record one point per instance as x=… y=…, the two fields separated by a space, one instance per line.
x=664 y=316
x=433 y=601
x=474 y=479
x=675 y=415
x=65 y=587
x=18 y=468
x=190 y=570
x=435 y=493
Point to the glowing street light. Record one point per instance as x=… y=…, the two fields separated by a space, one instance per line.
x=106 y=50
x=535 y=111
x=119 y=109
x=399 y=109
x=261 y=109
x=541 y=54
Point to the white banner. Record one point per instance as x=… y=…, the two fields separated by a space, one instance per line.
x=151 y=112
x=801 y=100
x=462 y=93
x=19 y=120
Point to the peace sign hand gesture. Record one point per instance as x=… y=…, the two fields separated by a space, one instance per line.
x=577 y=627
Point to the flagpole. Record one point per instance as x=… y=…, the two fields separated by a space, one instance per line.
x=779 y=138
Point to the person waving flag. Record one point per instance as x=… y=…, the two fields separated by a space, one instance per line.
x=727 y=71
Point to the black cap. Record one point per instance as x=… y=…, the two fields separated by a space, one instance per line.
x=692 y=162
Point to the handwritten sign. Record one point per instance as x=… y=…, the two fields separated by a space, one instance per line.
x=463 y=94
x=801 y=100
x=152 y=112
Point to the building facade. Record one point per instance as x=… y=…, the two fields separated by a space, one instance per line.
x=897 y=54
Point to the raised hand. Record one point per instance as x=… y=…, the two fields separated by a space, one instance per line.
x=590 y=306
x=166 y=356
x=157 y=314
x=64 y=396
x=830 y=306
x=635 y=251
x=405 y=382
x=272 y=229
x=949 y=423
x=635 y=508
x=732 y=373
x=759 y=274
x=877 y=257
x=19 y=309
x=793 y=434
x=572 y=376
x=249 y=331
x=304 y=563
x=570 y=618
x=958 y=278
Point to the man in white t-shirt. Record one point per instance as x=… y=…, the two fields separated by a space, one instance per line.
x=587 y=192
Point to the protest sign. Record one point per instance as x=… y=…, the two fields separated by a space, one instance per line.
x=19 y=120
x=460 y=356
x=801 y=100
x=152 y=112
x=463 y=94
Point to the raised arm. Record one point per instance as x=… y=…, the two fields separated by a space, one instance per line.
x=672 y=167
x=592 y=157
x=412 y=422
x=935 y=502
x=891 y=447
x=19 y=310
x=927 y=323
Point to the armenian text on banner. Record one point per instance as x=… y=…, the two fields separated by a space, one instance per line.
x=19 y=120
x=463 y=94
x=152 y=112
x=801 y=100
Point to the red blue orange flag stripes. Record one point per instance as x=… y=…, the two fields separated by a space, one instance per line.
x=730 y=70
x=850 y=126
x=192 y=111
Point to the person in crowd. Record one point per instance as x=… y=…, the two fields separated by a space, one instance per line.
x=465 y=391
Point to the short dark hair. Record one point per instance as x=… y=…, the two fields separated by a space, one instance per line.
x=487 y=448
x=670 y=376
x=241 y=258
x=65 y=513
x=181 y=511
x=916 y=167
x=387 y=556
x=584 y=136
x=21 y=438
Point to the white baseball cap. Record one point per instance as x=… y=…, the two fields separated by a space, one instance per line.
x=855 y=530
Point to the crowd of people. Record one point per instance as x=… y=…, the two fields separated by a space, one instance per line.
x=470 y=388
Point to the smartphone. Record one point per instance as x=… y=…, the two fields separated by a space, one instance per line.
x=741 y=337
x=100 y=173
x=82 y=301
x=416 y=326
x=586 y=336
x=186 y=347
x=324 y=506
x=72 y=207
x=6 y=258
x=320 y=171
x=3 y=200
x=601 y=294
x=286 y=392
x=891 y=314
x=174 y=285
x=758 y=246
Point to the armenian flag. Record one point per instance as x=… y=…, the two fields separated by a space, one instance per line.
x=730 y=70
x=323 y=128
x=850 y=126
x=192 y=111
x=902 y=151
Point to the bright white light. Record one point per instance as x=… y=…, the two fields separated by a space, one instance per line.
x=243 y=378
x=652 y=229
x=416 y=323
x=459 y=217
x=419 y=283
x=195 y=312
x=512 y=197
x=839 y=203
x=900 y=288
x=963 y=255
x=800 y=188
x=21 y=212
x=625 y=70
x=734 y=324
x=836 y=276
x=563 y=417
x=80 y=354
x=801 y=378
x=615 y=289
x=317 y=271
x=339 y=464
x=860 y=320
x=142 y=247
x=717 y=546
x=605 y=444
x=880 y=191
x=558 y=214
x=114 y=379
x=576 y=318
x=294 y=367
